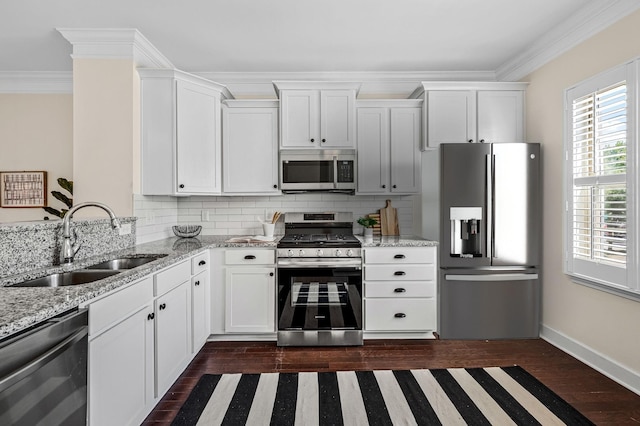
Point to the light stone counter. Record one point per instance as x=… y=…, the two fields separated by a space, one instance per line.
x=396 y=241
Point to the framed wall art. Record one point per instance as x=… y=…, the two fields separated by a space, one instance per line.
x=23 y=189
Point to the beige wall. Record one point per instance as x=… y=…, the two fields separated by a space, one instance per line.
x=36 y=134
x=606 y=324
x=106 y=116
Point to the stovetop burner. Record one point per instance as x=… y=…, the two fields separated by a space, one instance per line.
x=318 y=230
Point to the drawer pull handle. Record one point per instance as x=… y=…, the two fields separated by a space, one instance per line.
x=249 y=257
x=202 y=262
x=399 y=256
x=197 y=282
x=399 y=273
x=151 y=316
x=399 y=290
x=400 y=315
x=163 y=306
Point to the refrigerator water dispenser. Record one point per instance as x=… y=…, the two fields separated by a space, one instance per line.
x=466 y=231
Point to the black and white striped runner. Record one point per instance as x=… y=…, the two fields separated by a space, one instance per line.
x=455 y=396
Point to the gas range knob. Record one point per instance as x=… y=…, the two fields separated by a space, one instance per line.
x=319 y=253
x=290 y=253
x=301 y=253
x=338 y=253
x=349 y=253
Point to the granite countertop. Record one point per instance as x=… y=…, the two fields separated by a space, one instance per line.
x=22 y=307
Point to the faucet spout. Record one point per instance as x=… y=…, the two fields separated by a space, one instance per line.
x=69 y=249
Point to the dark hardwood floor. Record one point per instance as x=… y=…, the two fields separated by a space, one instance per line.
x=600 y=399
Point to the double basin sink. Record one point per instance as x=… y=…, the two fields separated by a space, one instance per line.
x=91 y=273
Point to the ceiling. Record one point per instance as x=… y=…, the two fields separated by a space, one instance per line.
x=298 y=36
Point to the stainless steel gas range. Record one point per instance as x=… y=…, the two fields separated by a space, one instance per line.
x=319 y=281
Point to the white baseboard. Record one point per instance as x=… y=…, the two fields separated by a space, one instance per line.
x=605 y=365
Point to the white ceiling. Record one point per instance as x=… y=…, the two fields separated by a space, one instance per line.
x=321 y=36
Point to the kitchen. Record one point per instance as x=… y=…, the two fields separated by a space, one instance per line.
x=567 y=315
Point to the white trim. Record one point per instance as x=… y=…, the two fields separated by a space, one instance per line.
x=30 y=82
x=114 y=43
x=592 y=19
x=594 y=359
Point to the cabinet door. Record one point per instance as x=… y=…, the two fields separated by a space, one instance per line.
x=300 y=118
x=198 y=144
x=337 y=119
x=451 y=117
x=250 y=143
x=373 y=150
x=250 y=300
x=405 y=150
x=121 y=366
x=200 y=310
x=501 y=116
x=173 y=335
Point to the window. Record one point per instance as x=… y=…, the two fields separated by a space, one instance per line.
x=598 y=190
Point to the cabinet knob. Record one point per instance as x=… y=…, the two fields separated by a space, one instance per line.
x=324 y=140
x=163 y=306
x=151 y=316
x=481 y=140
x=270 y=274
x=384 y=186
x=249 y=257
x=197 y=283
x=275 y=186
x=399 y=290
x=394 y=186
x=400 y=315
x=399 y=256
x=202 y=262
x=470 y=141
x=312 y=140
x=399 y=273
x=181 y=185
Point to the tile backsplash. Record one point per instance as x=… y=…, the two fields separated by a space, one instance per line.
x=239 y=215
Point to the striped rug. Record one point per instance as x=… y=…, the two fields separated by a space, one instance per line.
x=454 y=396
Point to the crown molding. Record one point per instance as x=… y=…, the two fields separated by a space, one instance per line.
x=592 y=19
x=114 y=43
x=32 y=82
x=374 y=84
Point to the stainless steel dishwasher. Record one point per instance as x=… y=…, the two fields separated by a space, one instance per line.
x=43 y=373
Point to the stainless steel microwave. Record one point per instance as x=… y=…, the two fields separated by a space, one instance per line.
x=318 y=170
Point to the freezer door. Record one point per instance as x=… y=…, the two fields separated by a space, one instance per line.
x=489 y=305
x=515 y=234
x=463 y=184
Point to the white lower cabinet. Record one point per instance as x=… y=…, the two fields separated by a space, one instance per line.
x=141 y=338
x=400 y=291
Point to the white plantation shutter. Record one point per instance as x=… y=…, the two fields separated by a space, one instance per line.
x=599 y=126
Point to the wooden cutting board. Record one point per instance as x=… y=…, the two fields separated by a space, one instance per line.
x=389 y=220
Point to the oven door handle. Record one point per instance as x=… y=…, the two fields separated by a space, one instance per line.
x=346 y=263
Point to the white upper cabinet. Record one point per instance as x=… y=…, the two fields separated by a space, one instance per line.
x=250 y=147
x=181 y=133
x=317 y=114
x=389 y=146
x=472 y=112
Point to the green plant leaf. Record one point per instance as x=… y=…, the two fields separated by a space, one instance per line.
x=66 y=184
x=60 y=196
x=53 y=211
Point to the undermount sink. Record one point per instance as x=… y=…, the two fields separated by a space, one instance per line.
x=67 y=278
x=126 y=262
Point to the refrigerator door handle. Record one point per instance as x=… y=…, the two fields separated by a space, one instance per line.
x=491 y=277
x=489 y=219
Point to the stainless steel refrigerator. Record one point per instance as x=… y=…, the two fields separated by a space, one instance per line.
x=490 y=235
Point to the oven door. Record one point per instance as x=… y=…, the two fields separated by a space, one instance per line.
x=319 y=298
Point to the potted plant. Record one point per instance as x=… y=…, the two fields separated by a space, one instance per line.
x=368 y=223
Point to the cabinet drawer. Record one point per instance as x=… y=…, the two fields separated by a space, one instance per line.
x=400 y=255
x=172 y=277
x=399 y=290
x=249 y=257
x=400 y=314
x=118 y=306
x=200 y=262
x=399 y=272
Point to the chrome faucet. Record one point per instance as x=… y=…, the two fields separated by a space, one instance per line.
x=69 y=249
